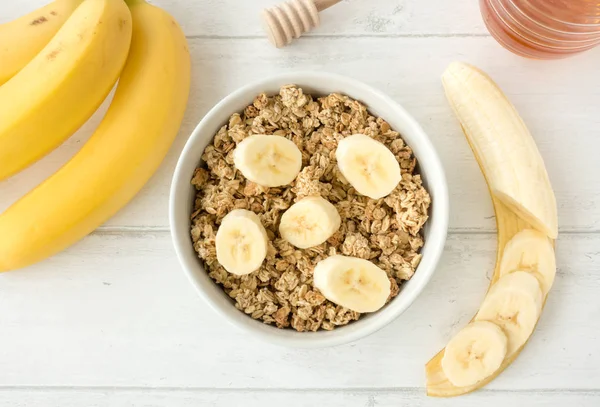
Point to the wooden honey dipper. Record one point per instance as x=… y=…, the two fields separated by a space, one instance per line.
x=293 y=18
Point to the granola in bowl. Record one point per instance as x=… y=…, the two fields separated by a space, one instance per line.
x=385 y=231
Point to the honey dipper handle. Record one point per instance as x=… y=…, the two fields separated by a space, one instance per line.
x=292 y=18
x=324 y=4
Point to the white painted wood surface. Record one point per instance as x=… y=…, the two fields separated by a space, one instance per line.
x=113 y=321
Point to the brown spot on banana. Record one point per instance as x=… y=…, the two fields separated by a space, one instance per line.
x=52 y=55
x=39 y=20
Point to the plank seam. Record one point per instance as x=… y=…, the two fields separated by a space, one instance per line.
x=113 y=230
x=353 y=390
x=342 y=36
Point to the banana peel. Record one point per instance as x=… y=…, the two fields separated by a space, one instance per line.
x=438 y=385
x=508 y=223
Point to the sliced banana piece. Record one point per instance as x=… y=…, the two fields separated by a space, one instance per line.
x=241 y=242
x=351 y=282
x=309 y=222
x=474 y=353
x=270 y=161
x=531 y=251
x=514 y=303
x=368 y=165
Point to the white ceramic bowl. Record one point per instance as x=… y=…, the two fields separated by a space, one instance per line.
x=315 y=83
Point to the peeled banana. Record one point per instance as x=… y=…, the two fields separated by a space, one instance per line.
x=512 y=164
x=526 y=218
x=23 y=38
x=120 y=157
x=55 y=93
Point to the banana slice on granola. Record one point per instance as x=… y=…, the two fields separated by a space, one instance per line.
x=309 y=222
x=368 y=165
x=270 y=161
x=351 y=282
x=241 y=242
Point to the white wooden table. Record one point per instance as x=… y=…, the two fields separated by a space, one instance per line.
x=113 y=321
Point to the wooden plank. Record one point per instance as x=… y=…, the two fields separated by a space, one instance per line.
x=115 y=310
x=214 y=398
x=235 y=18
x=564 y=123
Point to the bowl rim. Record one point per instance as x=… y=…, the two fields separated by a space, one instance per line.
x=438 y=223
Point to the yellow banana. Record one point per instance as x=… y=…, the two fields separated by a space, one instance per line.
x=23 y=38
x=120 y=157
x=62 y=86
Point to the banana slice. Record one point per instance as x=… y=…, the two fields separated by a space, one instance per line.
x=241 y=242
x=270 y=161
x=368 y=165
x=309 y=222
x=530 y=250
x=354 y=283
x=514 y=303
x=475 y=353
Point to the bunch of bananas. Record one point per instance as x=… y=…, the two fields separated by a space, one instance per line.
x=58 y=64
